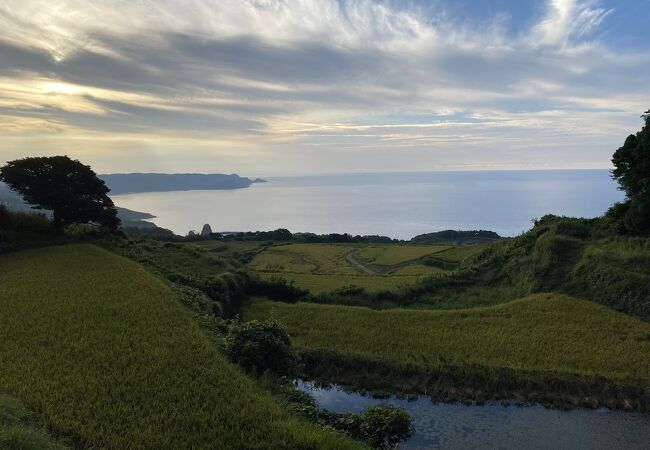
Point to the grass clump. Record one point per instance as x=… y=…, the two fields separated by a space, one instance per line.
x=17 y=432
x=105 y=356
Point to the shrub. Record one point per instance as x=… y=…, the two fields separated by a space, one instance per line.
x=384 y=427
x=23 y=221
x=261 y=347
x=82 y=229
x=280 y=289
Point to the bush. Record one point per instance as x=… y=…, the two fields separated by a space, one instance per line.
x=384 y=427
x=280 y=289
x=261 y=347
x=23 y=222
x=82 y=229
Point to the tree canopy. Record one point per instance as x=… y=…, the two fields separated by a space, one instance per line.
x=70 y=189
x=632 y=171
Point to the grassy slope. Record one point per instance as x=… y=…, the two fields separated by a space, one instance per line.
x=104 y=354
x=568 y=255
x=547 y=332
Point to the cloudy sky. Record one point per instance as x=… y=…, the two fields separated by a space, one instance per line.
x=263 y=87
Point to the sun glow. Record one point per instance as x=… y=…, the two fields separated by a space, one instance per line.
x=61 y=88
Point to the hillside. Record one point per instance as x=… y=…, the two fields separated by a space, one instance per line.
x=106 y=357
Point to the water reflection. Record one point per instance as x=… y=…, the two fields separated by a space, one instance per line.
x=493 y=425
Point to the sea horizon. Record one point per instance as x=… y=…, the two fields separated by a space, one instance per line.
x=504 y=201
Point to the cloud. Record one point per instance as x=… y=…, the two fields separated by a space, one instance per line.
x=566 y=20
x=277 y=80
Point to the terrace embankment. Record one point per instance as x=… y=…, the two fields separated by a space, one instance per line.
x=546 y=348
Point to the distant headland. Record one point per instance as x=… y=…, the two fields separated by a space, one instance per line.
x=126 y=183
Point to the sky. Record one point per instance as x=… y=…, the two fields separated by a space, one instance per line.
x=267 y=88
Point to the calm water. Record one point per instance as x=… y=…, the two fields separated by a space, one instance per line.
x=399 y=205
x=493 y=426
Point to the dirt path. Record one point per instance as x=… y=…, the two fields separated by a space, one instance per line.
x=377 y=270
x=350 y=258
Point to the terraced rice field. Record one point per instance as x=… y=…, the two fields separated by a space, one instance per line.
x=542 y=332
x=105 y=356
x=324 y=267
x=388 y=255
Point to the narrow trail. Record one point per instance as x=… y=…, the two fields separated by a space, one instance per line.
x=350 y=258
x=377 y=270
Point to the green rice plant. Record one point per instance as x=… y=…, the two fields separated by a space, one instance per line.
x=105 y=356
x=16 y=430
x=542 y=332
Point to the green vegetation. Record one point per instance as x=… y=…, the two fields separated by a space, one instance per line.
x=632 y=171
x=210 y=283
x=261 y=346
x=575 y=256
x=16 y=430
x=543 y=332
x=106 y=357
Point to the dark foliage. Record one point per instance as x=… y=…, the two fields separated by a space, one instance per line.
x=20 y=230
x=261 y=347
x=457 y=237
x=68 y=188
x=279 y=289
x=283 y=235
x=632 y=171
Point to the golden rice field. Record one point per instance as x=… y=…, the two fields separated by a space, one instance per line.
x=105 y=356
x=542 y=332
x=391 y=254
x=324 y=267
x=457 y=254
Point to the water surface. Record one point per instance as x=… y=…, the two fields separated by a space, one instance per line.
x=399 y=205
x=495 y=426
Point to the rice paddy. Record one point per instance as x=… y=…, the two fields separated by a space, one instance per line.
x=105 y=356
x=326 y=267
x=388 y=255
x=542 y=332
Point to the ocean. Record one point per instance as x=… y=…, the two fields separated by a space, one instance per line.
x=399 y=205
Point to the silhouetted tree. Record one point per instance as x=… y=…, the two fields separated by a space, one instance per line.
x=632 y=171
x=70 y=189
